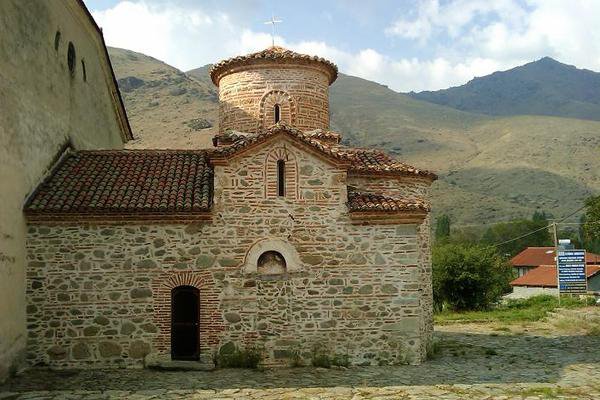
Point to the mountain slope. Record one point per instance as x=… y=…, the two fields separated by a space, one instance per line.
x=491 y=168
x=166 y=107
x=543 y=87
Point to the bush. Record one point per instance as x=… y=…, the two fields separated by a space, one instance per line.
x=234 y=357
x=468 y=277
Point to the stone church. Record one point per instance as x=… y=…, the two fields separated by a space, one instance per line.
x=278 y=238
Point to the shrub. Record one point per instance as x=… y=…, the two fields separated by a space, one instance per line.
x=321 y=360
x=341 y=360
x=468 y=277
x=235 y=357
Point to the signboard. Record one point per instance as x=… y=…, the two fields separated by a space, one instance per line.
x=571 y=271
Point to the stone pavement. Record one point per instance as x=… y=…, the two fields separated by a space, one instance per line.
x=481 y=365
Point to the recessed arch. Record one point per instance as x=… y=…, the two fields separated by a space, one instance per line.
x=276 y=106
x=281 y=174
x=273 y=251
x=271 y=262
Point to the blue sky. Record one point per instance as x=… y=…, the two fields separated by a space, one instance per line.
x=407 y=45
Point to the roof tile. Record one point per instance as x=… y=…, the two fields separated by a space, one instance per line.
x=126 y=181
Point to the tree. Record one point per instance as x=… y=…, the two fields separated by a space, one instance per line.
x=590 y=234
x=468 y=277
x=506 y=231
x=442 y=227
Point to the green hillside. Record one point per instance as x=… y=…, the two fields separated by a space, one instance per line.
x=491 y=168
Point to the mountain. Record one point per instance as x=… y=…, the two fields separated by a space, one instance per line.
x=542 y=87
x=166 y=107
x=491 y=168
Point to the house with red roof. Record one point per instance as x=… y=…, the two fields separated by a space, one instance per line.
x=533 y=257
x=536 y=270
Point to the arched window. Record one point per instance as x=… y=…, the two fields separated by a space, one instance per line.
x=271 y=262
x=83 y=69
x=280 y=178
x=71 y=57
x=277 y=113
x=56 y=40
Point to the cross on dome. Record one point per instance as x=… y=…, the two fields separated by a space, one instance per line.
x=272 y=22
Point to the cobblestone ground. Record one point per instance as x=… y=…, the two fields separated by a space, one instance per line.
x=477 y=363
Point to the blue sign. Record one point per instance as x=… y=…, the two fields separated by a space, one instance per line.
x=571 y=271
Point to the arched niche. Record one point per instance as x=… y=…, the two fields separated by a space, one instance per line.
x=274 y=256
x=277 y=106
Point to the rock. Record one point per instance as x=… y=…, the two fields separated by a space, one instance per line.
x=57 y=353
x=199 y=123
x=312 y=259
x=232 y=317
x=365 y=289
x=130 y=83
x=80 y=351
x=389 y=289
x=101 y=320
x=90 y=330
x=140 y=293
x=109 y=349
x=127 y=328
x=139 y=349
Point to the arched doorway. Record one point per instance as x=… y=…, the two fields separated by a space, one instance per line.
x=185 y=327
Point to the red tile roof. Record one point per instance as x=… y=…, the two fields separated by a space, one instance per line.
x=545 y=276
x=534 y=256
x=126 y=181
x=274 y=53
x=365 y=201
x=359 y=160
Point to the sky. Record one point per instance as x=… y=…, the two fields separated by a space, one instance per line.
x=408 y=45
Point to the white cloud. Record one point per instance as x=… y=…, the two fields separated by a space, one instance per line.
x=469 y=38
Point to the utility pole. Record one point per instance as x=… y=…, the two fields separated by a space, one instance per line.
x=555 y=234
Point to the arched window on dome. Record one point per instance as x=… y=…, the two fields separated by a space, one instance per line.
x=277 y=113
x=276 y=106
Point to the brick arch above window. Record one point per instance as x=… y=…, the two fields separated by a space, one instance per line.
x=287 y=108
x=272 y=175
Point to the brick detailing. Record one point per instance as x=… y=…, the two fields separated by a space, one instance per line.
x=211 y=320
x=243 y=104
x=99 y=294
x=290 y=175
x=287 y=109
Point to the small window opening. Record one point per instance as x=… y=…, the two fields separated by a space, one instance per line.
x=280 y=178
x=83 y=70
x=71 y=57
x=56 y=40
x=271 y=262
x=277 y=113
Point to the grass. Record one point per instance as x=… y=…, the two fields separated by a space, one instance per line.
x=512 y=311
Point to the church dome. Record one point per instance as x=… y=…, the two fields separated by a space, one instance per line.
x=272 y=54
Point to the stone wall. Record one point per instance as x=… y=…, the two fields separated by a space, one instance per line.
x=247 y=97
x=99 y=293
x=44 y=105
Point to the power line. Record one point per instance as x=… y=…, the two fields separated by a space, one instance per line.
x=542 y=228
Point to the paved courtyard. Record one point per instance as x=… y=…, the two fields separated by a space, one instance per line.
x=473 y=362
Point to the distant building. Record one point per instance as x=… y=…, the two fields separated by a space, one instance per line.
x=542 y=280
x=533 y=257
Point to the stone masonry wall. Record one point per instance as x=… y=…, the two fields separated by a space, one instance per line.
x=247 y=98
x=99 y=295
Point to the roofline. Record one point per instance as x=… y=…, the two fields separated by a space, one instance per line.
x=126 y=132
x=224 y=159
